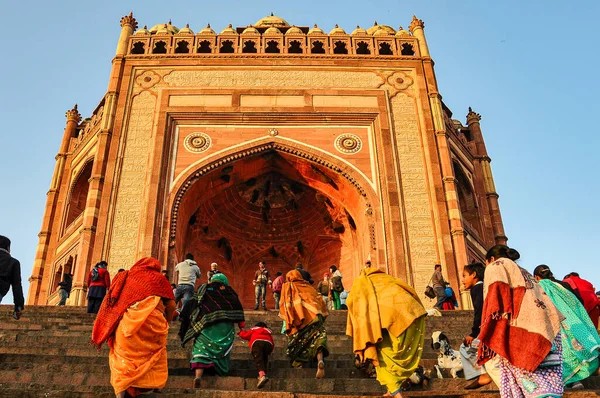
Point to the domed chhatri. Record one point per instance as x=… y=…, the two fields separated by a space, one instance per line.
x=381 y=30
x=229 y=30
x=207 y=31
x=272 y=31
x=294 y=30
x=359 y=31
x=143 y=32
x=316 y=31
x=164 y=28
x=186 y=30
x=337 y=31
x=402 y=32
x=250 y=30
x=271 y=20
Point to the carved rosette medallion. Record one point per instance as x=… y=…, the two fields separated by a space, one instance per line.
x=197 y=142
x=348 y=143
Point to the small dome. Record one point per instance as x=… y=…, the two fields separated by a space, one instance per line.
x=250 y=30
x=401 y=32
x=316 y=31
x=337 y=31
x=376 y=27
x=143 y=32
x=186 y=30
x=207 y=31
x=271 y=20
x=359 y=31
x=229 y=30
x=294 y=30
x=164 y=29
x=272 y=31
x=381 y=32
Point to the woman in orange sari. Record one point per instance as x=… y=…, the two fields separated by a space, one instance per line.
x=304 y=313
x=133 y=321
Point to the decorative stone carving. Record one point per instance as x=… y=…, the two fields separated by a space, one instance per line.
x=273 y=132
x=251 y=152
x=129 y=20
x=197 y=142
x=400 y=81
x=348 y=143
x=420 y=228
x=415 y=24
x=147 y=79
x=272 y=78
x=130 y=195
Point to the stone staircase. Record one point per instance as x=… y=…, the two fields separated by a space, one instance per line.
x=47 y=354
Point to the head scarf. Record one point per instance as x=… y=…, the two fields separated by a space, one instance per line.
x=519 y=321
x=143 y=280
x=220 y=278
x=300 y=303
x=379 y=301
x=213 y=303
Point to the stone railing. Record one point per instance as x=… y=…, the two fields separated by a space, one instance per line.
x=337 y=45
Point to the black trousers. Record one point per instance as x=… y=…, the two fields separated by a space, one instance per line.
x=93 y=305
x=260 y=352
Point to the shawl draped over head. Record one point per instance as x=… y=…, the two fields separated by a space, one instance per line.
x=214 y=302
x=299 y=303
x=379 y=301
x=143 y=280
x=519 y=322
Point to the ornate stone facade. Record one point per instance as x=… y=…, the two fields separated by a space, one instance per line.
x=284 y=144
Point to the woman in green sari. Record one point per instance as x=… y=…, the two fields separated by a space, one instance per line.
x=580 y=340
x=209 y=320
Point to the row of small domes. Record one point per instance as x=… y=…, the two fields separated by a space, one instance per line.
x=170 y=29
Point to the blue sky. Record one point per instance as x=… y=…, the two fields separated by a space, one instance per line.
x=530 y=68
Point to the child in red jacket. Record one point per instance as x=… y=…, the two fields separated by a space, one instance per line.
x=261 y=345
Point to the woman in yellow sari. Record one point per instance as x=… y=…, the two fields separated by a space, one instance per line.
x=133 y=321
x=304 y=313
x=386 y=321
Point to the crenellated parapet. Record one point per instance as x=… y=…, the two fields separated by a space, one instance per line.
x=273 y=35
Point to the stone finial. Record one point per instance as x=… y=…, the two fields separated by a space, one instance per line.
x=73 y=114
x=129 y=20
x=272 y=14
x=472 y=117
x=416 y=23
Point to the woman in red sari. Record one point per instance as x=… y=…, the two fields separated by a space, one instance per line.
x=133 y=321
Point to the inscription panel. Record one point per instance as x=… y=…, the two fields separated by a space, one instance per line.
x=421 y=237
x=130 y=192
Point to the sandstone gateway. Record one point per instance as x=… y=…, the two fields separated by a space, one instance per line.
x=268 y=142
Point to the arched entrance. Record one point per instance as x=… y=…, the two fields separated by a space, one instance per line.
x=276 y=205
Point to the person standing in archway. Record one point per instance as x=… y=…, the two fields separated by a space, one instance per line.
x=98 y=283
x=260 y=282
x=439 y=286
x=187 y=274
x=214 y=269
x=336 y=287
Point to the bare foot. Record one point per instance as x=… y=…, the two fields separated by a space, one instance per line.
x=321 y=370
x=197 y=382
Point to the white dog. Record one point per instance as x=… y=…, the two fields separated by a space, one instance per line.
x=447 y=357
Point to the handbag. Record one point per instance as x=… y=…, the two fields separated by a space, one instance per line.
x=429 y=292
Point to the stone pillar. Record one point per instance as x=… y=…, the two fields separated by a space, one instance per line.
x=128 y=26
x=35 y=281
x=457 y=231
x=416 y=28
x=484 y=161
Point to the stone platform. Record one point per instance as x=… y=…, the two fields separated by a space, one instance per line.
x=47 y=354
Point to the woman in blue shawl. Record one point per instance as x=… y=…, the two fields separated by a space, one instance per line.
x=580 y=340
x=209 y=320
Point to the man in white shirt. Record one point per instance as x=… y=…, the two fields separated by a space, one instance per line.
x=187 y=273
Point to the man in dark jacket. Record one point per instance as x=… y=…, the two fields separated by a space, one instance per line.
x=98 y=283
x=10 y=275
x=64 y=289
x=305 y=274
